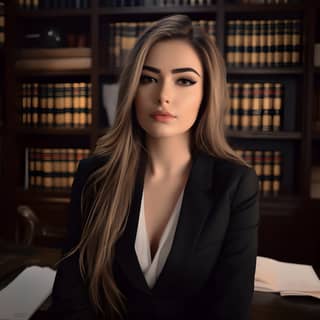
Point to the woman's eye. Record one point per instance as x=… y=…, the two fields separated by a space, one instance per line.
x=186 y=82
x=146 y=79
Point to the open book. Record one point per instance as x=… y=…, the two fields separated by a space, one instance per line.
x=286 y=278
x=22 y=297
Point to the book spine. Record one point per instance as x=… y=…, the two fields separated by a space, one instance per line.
x=247 y=37
x=266 y=40
x=228 y=113
x=267 y=173
x=24 y=103
x=89 y=104
x=245 y=107
x=238 y=55
x=255 y=45
x=60 y=111
x=296 y=42
x=76 y=104
x=276 y=173
x=287 y=37
x=235 y=117
x=35 y=105
x=82 y=104
x=231 y=42
x=68 y=105
x=71 y=166
x=267 y=108
x=257 y=106
x=51 y=105
x=277 y=106
x=270 y=47
x=29 y=104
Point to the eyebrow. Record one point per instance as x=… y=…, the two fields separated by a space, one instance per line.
x=178 y=70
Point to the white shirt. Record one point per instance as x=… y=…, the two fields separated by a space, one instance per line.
x=152 y=269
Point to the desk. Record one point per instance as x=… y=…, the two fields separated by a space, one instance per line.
x=265 y=306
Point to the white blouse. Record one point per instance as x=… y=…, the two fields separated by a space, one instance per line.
x=152 y=269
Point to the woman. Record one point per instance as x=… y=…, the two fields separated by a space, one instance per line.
x=163 y=217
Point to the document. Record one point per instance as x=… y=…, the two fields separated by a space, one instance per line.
x=286 y=278
x=25 y=294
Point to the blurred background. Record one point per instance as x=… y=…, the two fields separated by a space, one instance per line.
x=59 y=67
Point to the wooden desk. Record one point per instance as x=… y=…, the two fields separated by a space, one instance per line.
x=265 y=306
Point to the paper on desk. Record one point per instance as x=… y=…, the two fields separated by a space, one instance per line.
x=21 y=298
x=286 y=278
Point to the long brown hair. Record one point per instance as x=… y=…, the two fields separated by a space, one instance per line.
x=112 y=184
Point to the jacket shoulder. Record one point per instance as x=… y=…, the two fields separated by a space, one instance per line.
x=233 y=174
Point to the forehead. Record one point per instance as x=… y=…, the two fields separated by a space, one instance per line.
x=170 y=54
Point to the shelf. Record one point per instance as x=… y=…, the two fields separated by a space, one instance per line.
x=53 y=13
x=279 y=204
x=254 y=8
x=271 y=70
x=132 y=11
x=34 y=195
x=53 y=131
x=274 y=135
x=44 y=53
x=46 y=73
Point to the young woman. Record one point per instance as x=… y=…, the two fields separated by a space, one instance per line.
x=164 y=214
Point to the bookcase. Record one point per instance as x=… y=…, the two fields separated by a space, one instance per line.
x=273 y=120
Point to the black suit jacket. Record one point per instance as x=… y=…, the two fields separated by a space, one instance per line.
x=209 y=272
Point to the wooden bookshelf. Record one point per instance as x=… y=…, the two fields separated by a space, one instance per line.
x=290 y=210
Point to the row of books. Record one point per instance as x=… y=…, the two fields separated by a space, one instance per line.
x=52 y=168
x=268 y=167
x=53 y=4
x=255 y=106
x=123 y=35
x=2 y=24
x=264 y=42
x=155 y=3
x=56 y=104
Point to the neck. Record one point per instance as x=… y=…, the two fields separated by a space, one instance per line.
x=168 y=156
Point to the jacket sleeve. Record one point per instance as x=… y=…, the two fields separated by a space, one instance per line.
x=70 y=298
x=230 y=287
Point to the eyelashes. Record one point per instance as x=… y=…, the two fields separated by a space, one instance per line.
x=144 y=79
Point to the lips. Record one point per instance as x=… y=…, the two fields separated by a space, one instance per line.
x=162 y=116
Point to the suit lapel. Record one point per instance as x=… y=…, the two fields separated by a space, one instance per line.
x=195 y=207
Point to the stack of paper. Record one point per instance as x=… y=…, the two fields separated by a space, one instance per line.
x=286 y=278
x=24 y=295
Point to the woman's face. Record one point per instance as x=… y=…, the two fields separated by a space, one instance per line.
x=169 y=95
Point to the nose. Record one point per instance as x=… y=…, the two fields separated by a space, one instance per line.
x=165 y=93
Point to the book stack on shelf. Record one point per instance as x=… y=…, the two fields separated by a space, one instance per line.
x=255 y=106
x=56 y=105
x=261 y=43
x=53 y=4
x=267 y=164
x=52 y=169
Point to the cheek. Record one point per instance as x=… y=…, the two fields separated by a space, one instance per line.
x=192 y=105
